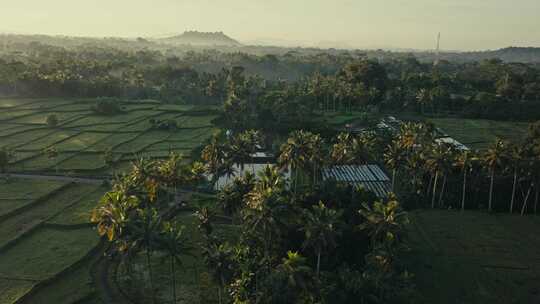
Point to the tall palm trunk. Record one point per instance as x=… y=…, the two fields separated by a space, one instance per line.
x=150 y=275
x=536 y=200
x=464 y=190
x=173 y=270
x=524 y=208
x=318 y=261
x=442 y=190
x=491 y=190
x=434 y=189
x=394 y=172
x=514 y=184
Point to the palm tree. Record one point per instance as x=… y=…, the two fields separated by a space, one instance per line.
x=384 y=223
x=364 y=148
x=341 y=152
x=436 y=163
x=423 y=97
x=173 y=240
x=320 y=230
x=266 y=208
x=293 y=153
x=213 y=156
x=394 y=158
x=513 y=161
x=464 y=161
x=218 y=259
x=297 y=273
x=492 y=161
x=108 y=159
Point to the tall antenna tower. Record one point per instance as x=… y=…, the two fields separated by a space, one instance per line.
x=437 y=52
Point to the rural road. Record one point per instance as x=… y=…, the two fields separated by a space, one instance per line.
x=80 y=180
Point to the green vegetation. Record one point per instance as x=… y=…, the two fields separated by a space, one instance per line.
x=58 y=249
x=473 y=258
x=18 y=193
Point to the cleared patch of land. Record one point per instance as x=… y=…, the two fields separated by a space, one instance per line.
x=474 y=257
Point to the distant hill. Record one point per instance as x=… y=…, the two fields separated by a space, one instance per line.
x=509 y=54
x=201 y=39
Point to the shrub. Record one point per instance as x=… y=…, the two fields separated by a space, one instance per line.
x=52 y=121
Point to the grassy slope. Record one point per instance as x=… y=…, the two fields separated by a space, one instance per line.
x=475 y=257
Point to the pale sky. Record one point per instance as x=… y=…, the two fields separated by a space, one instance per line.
x=464 y=24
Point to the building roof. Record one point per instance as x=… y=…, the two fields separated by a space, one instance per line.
x=371 y=177
x=449 y=140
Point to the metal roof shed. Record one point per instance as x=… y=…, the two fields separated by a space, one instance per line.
x=371 y=177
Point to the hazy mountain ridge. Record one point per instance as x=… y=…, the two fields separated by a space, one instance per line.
x=202 y=38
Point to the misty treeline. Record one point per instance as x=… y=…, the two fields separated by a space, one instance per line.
x=295 y=80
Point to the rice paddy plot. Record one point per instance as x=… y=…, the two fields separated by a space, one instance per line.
x=11 y=115
x=48 y=140
x=15 y=103
x=142 y=142
x=174 y=107
x=81 y=141
x=80 y=212
x=112 y=141
x=139 y=126
x=42 y=162
x=197 y=121
x=41 y=118
x=11 y=129
x=480 y=133
x=172 y=146
x=18 y=193
x=23 y=138
x=13 y=289
x=13 y=227
x=58 y=249
x=192 y=134
x=82 y=161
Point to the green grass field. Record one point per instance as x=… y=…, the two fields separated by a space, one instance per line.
x=474 y=257
x=480 y=133
x=474 y=133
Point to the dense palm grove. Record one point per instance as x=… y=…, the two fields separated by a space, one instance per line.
x=283 y=84
x=298 y=238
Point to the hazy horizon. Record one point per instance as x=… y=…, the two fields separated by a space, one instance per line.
x=464 y=25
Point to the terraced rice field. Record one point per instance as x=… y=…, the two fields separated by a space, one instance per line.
x=44 y=233
x=82 y=137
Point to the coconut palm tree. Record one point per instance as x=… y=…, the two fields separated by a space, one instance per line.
x=174 y=241
x=436 y=163
x=320 y=230
x=513 y=160
x=218 y=258
x=464 y=161
x=492 y=159
x=394 y=158
x=294 y=153
x=342 y=150
x=213 y=156
x=423 y=98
